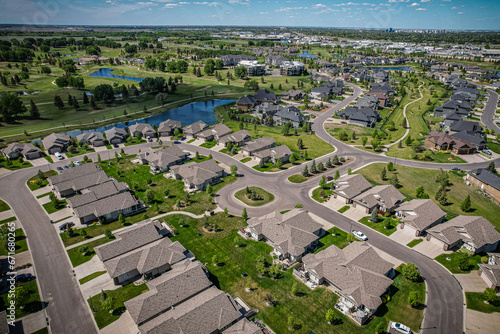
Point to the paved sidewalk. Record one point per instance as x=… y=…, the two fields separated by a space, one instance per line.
x=41 y=191
x=6 y=214
x=39 y=162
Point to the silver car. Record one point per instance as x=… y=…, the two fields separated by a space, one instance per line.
x=400 y=328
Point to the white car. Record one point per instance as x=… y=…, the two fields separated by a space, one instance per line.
x=360 y=235
x=400 y=328
x=58 y=155
x=77 y=163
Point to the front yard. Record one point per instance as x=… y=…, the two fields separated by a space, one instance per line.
x=32 y=181
x=76 y=255
x=476 y=301
x=453 y=264
x=26 y=296
x=386 y=226
x=21 y=243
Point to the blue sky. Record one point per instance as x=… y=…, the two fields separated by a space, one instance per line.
x=426 y=14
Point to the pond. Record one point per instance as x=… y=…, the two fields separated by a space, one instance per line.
x=186 y=114
x=106 y=73
x=392 y=68
x=306 y=54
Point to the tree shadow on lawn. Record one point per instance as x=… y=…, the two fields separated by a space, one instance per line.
x=214 y=279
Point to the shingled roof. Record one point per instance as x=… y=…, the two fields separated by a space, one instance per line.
x=386 y=195
x=168 y=125
x=244 y=326
x=198 y=173
x=486 y=176
x=258 y=144
x=421 y=213
x=163 y=157
x=74 y=172
x=357 y=270
x=97 y=192
x=236 y=137
x=349 y=186
x=195 y=128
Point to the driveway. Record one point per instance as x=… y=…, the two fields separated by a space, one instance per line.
x=480 y=323
x=41 y=191
x=252 y=163
x=61 y=214
x=471 y=282
x=30 y=323
x=326 y=224
x=124 y=325
x=334 y=203
x=403 y=236
x=471 y=158
x=6 y=214
x=98 y=284
x=430 y=249
x=355 y=213
x=89 y=267
x=101 y=148
x=39 y=162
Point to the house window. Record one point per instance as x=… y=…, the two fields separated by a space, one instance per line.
x=126 y=275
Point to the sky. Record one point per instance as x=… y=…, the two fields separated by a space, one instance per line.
x=403 y=14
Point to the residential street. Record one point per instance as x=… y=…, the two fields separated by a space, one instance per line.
x=489 y=112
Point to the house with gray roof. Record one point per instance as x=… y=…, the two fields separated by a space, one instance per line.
x=382 y=87
x=55 y=142
x=239 y=138
x=474 y=233
x=463 y=125
x=93 y=138
x=259 y=144
x=363 y=116
x=293 y=94
x=192 y=130
x=243 y=326
x=291 y=115
x=161 y=160
x=292 y=68
x=357 y=273
x=275 y=60
x=167 y=128
x=233 y=60
x=116 y=135
x=79 y=183
x=216 y=132
x=25 y=150
x=198 y=175
x=348 y=187
x=97 y=192
x=272 y=154
x=383 y=198
x=292 y=234
x=487 y=181
x=420 y=215
x=490 y=272
x=246 y=102
x=146 y=130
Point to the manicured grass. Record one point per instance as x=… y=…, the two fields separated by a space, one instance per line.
x=79 y=151
x=414 y=242
x=316 y=194
x=200 y=158
x=266 y=197
x=120 y=295
x=49 y=158
x=476 y=301
x=77 y=258
x=43 y=195
x=16 y=164
x=334 y=236
x=50 y=208
x=191 y=140
x=226 y=151
x=411 y=178
x=452 y=265
x=11 y=219
x=245 y=160
x=4 y=206
x=495 y=147
x=30 y=300
x=268 y=167
x=344 y=209
x=134 y=141
x=209 y=144
x=91 y=276
x=380 y=226
x=33 y=186
x=21 y=243
x=297 y=178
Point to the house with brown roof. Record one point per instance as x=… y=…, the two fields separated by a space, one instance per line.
x=26 y=150
x=384 y=198
x=474 y=233
x=218 y=131
x=442 y=141
x=383 y=98
x=116 y=135
x=420 y=215
x=349 y=186
x=192 y=130
x=93 y=138
x=161 y=160
x=55 y=142
x=357 y=273
x=146 y=130
x=257 y=145
x=272 y=155
x=167 y=128
x=198 y=175
x=239 y=138
x=490 y=272
x=292 y=234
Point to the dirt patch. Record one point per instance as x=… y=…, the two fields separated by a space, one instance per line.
x=203 y=88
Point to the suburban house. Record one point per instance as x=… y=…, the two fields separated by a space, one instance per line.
x=160 y=160
x=293 y=94
x=383 y=198
x=441 y=141
x=471 y=232
x=490 y=272
x=218 y=131
x=275 y=60
x=381 y=76
x=291 y=115
x=97 y=192
x=472 y=137
x=77 y=178
x=233 y=60
x=349 y=186
x=265 y=95
x=27 y=151
x=292 y=68
x=116 y=135
x=239 y=138
x=246 y=102
x=146 y=130
x=462 y=125
x=320 y=93
x=257 y=145
x=253 y=67
x=198 y=175
x=382 y=87
x=420 y=215
x=292 y=234
x=167 y=128
x=192 y=130
x=143 y=251
x=55 y=142
x=282 y=152
x=357 y=273
x=364 y=116
x=93 y=138
x=487 y=181
x=383 y=99
x=368 y=101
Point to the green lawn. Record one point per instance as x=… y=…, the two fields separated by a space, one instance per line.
x=33 y=186
x=316 y=194
x=380 y=226
x=4 y=206
x=297 y=178
x=265 y=196
x=11 y=219
x=30 y=300
x=21 y=243
x=15 y=164
x=414 y=242
x=91 y=276
x=79 y=151
x=120 y=295
x=344 y=209
x=245 y=160
x=191 y=140
x=134 y=141
x=77 y=258
x=209 y=144
x=50 y=208
x=334 y=236
x=43 y=195
x=452 y=264
x=476 y=301
x=411 y=178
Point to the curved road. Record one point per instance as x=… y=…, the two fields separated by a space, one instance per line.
x=489 y=112
x=58 y=285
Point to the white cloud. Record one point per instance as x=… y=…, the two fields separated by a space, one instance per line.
x=414 y=5
x=172 y=5
x=289 y=9
x=241 y=2
x=421 y=8
x=453 y=7
x=206 y=3
x=460 y=13
x=398 y=0
x=425 y=0
x=264 y=13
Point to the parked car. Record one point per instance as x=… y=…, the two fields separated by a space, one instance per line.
x=115 y=145
x=400 y=328
x=329 y=178
x=66 y=167
x=177 y=142
x=60 y=169
x=63 y=226
x=183 y=138
x=148 y=138
x=485 y=151
x=58 y=155
x=455 y=168
x=24 y=277
x=359 y=235
x=343 y=122
x=77 y=163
